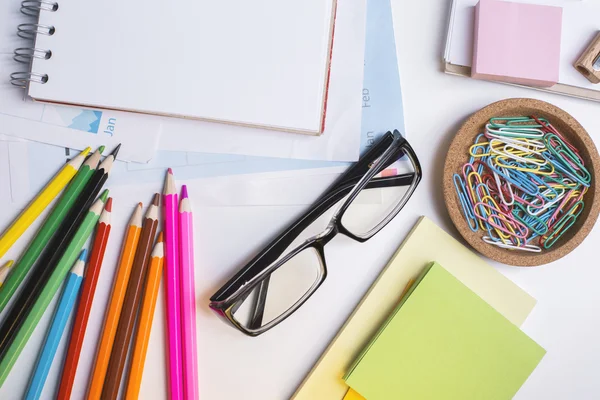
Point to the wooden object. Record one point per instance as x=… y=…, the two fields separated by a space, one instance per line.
x=588 y=63
x=573 y=132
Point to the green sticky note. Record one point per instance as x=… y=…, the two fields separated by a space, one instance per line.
x=444 y=342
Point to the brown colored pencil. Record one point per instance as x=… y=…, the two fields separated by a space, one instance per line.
x=131 y=305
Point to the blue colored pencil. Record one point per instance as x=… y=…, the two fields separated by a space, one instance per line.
x=57 y=328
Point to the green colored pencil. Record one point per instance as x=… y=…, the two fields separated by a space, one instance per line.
x=58 y=276
x=41 y=239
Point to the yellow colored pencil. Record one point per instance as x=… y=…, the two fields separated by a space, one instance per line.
x=43 y=199
x=4 y=271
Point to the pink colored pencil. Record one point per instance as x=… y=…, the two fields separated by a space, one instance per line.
x=188 y=298
x=172 y=289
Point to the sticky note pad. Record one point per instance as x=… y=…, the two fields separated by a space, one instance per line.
x=351 y=394
x=444 y=342
x=325 y=381
x=517 y=43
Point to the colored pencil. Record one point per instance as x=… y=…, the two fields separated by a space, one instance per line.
x=5 y=271
x=59 y=274
x=188 y=298
x=39 y=204
x=172 y=289
x=45 y=265
x=85 y=303
x=57 y=327
x=49 y=228
x=113 y=311
x=144 y=325
x=131 y=304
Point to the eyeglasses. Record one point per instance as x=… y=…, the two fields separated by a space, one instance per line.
x=290 y=269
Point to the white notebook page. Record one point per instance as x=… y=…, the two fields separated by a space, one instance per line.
x=259 y=62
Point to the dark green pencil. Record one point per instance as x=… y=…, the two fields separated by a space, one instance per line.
x=43 y=268
x=49 y=228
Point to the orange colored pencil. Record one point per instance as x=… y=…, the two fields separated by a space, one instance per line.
x=85 y=303
x=142 y=336
x=113 y=312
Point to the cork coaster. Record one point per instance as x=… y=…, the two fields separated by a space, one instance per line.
x=572 y=131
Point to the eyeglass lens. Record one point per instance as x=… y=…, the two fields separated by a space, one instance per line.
x=372 y=208
x=281 y=290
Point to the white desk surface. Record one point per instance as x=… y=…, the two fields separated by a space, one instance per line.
x=231 y=366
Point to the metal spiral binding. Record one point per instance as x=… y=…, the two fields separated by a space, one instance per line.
x=32 y=8
x=20 y=79
x=26 y=55
x=29 y=31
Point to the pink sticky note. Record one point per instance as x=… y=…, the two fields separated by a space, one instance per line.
x=517 y=43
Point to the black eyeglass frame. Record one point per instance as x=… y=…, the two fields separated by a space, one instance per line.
x=391 y=147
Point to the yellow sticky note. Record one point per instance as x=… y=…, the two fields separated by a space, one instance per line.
x=426 y=243
x=351 y=394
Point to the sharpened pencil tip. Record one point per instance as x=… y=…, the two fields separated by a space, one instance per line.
x=83 y=255
x=184 y=193
x=160 y=238
x=101 y=149
x=156 y=199
x=86 y=151
x=116 y=151
x=104 y=196
x=8 y=264
x=169 y=186
x=108 y=205
x=141 y=205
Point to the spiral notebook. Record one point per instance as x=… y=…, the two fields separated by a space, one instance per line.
x=257 y=63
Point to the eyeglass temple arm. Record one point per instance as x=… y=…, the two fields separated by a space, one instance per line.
x=362 y=166
x=260 y=301
x=352 y=176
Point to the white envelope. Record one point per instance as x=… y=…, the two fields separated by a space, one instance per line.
x=22 y=179
x=14 y=171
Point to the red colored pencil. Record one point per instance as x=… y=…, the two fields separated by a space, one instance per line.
x=85 y=303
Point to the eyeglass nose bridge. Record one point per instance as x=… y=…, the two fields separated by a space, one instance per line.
x=331 y=231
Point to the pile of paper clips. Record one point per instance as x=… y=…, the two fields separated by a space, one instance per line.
x=524 y=184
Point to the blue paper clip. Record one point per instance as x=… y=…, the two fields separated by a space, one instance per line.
x=465 y=202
